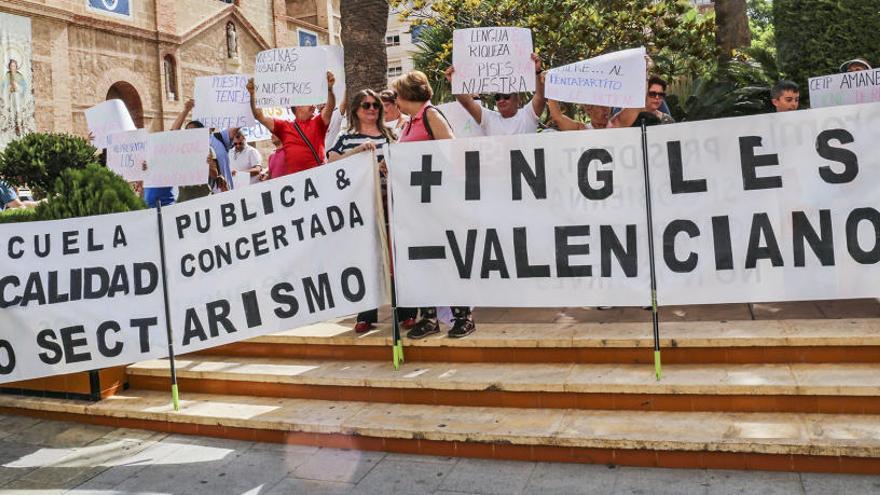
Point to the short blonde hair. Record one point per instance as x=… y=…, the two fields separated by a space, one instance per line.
x=413 y=86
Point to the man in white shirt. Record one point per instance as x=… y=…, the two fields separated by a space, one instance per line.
x=510 y=118
x=245 y=162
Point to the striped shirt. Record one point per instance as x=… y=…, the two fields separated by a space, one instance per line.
x=350 y=141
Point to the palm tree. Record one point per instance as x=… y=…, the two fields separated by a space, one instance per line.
x=364 y=23
x=731 y=26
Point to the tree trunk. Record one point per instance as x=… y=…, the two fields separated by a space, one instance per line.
x=731 y=26
x=364 y=23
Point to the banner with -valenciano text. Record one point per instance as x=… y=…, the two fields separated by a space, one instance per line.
x=80 y=294
x=780 y=207
x=529 y=220
x=280 y=254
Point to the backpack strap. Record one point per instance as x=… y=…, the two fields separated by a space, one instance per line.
x=428 y=124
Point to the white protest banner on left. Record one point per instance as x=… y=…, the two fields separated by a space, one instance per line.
x=531 y=220
x=126 y=153
x=277 y=255
x=612 y=80
x=107 y=118
x=777 y=207
x=223 y=101
x=492 y=60
x=286 y=77
x=177 y=158
x=848 y=88
x=80 y=294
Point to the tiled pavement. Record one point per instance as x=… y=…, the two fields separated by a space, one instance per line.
x=49 y=457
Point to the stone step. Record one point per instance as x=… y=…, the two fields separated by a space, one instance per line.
x=765 y=441
x=682 y=342
x=807 y=388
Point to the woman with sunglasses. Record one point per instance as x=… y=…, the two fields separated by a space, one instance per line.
x=366 y=131
x=653 y=103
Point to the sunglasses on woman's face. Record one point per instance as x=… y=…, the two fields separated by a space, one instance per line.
x=375 y=105
x=656 y=94
x=501 y=96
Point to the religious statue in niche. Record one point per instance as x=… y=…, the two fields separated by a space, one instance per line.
x=170 y=84
x=15 y=88
x=231 y=41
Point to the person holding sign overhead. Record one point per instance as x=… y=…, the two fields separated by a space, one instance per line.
x=510 y=119
x=303 y=139
x=599 y=117
x=426 y=123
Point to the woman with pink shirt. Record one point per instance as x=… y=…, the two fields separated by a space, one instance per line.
x=277 y=162
x=426 y=123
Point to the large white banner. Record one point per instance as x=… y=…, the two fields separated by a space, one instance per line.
x=492 y=60
x=848 y=88
x=612 y=80
x=285 y=77
x=288 y=252
x=223 y=101
x=80 y=294
x=777 y=207
x=528 y=220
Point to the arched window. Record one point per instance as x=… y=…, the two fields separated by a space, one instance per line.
x=170 y=67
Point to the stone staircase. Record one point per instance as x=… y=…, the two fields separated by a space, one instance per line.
x=771 y=387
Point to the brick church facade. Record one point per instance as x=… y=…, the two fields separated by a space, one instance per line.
x=84 y=53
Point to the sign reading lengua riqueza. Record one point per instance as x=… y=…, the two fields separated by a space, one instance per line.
x=779 y=207
x=531 y=220
x=80 y=294
x=274 y=256
x=614 y=80
x=848 y=88
x=285 y=77
x=492 y=60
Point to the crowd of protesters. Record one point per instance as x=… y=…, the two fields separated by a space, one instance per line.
x=372 y=119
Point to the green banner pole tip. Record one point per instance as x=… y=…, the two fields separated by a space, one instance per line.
x=657 y=367
x=400 y=352
x=175 y=397
x=396 y=359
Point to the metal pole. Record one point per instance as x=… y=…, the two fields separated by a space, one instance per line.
x=655 y=316
x=175 y=396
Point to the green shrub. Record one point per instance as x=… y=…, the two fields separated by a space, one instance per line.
x=94 y=190
x=18 y=215
x=813 y=37
x=38 y=159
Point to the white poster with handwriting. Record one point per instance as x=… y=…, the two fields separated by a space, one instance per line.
x=293 y=76
x=126 y=153
x=492 y=60
x=612 y=80
x=223 y=101
x=107 y=118
x=849 y=88
x=177 y=158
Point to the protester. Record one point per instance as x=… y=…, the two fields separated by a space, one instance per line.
x=276 y=161
x=855 y=65
x=654 y=101
x=599 y=117
x=303 y=139
x=366 y=132
x=9 y=198
x=426 y=123
x=245 y=162
x=510 y=118
x=394 y=119
x=785 y=96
